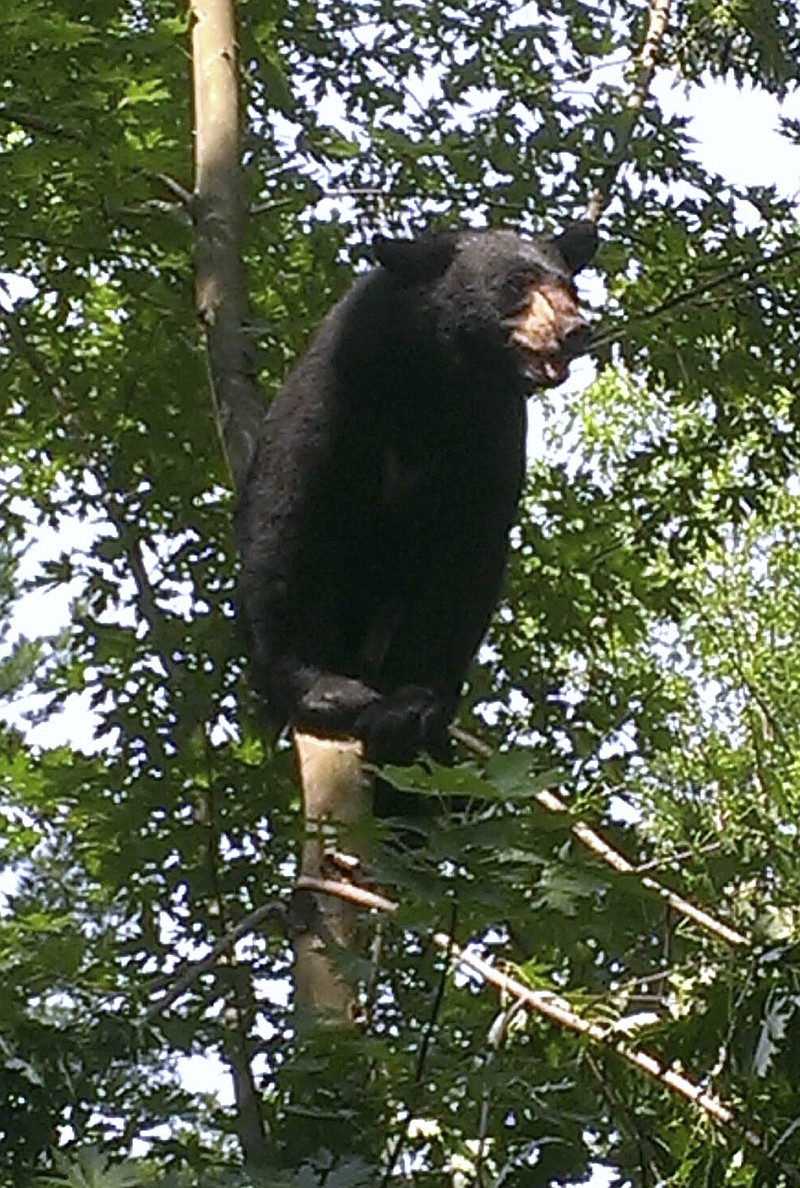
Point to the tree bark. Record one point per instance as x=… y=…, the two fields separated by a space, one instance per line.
x=335 y=789
x=337 y=792
x=220 y=281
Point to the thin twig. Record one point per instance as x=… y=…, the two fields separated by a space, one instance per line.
x=629 y=1120
x=239 y=1017
x=612 y=857
x=738 y=275
x=672 y=859
x=424 y=1048
x=32 y=122
x=195 y=969
x=105 y=251
x=498 y=1034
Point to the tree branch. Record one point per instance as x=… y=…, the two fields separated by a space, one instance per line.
x=612 y=857
x=349 y=892
x=550 y=1006
x=31 y=122
x=737 y=276
x=630 y=1121
x=36 y=123
x=239 y=1015
x=647 y=60
x=195 y=969
x=396 y=1149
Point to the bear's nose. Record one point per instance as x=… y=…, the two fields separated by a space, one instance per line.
x=575 y=337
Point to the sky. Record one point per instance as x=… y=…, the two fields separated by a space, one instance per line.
x=736 y=131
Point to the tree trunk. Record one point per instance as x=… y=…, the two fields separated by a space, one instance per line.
x=335 y=789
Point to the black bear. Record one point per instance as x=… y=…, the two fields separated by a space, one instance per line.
x=374 y=522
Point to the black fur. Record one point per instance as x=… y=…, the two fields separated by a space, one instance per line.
x=373 y=525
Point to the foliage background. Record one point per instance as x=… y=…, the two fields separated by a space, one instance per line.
x=645 y=650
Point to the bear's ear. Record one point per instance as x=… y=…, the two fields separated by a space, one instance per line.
x=416 y=260
x=577 y=244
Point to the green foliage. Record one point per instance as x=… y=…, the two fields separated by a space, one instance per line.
x=90 y=1170
x=644 y=658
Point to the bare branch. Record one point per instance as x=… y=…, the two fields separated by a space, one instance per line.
x=647 y=61
x=557 y=1010
x=348 y=892
x=176 y=189
x=195 y=969
x=612 y=857
x=551 y=1007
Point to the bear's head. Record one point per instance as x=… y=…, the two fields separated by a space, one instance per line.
x=495 y=291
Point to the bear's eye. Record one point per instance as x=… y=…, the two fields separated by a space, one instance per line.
x=517 y=285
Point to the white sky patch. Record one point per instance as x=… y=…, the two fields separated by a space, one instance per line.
x=14 y=288
x=737 y=131
x=206 y=1074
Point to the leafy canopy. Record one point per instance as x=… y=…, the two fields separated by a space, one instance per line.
x=645 y=651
